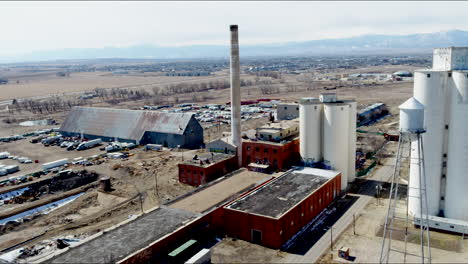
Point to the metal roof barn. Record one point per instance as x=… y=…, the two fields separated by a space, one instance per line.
x=131 y=125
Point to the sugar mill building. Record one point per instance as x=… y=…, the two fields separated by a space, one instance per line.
x=276 y=156
x=206 y=167
x=274 y=146
x=274 y=213
x=136 y=126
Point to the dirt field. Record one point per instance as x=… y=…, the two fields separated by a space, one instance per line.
x=48 y=83
x=366 y=245
x=237 y=251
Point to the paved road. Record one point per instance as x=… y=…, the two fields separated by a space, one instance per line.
x=384 y=173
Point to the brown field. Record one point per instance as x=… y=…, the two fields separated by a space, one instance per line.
x=47 y=83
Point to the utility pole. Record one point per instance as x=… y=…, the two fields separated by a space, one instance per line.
x=354 y=224
x=331 y=238
x=156 y=184
x=141 y=201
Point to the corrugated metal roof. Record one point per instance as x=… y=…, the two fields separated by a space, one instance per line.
x=120 y=123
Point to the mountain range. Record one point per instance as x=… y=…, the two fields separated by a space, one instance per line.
x=366 y=44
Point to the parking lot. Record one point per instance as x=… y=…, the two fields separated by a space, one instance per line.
x=40 y=153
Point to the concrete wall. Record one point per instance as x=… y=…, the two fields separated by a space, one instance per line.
x=449 y=59
x=287 y=111
x=276 y=232
x=277 y=156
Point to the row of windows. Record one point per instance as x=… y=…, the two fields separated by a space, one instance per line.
x=260 y=161
x=311 y=209
x=189 y=180
x=286 y=108
x=265 y=150
x=189 y=171
x=449 y=75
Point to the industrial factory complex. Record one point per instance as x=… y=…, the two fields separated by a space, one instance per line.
x=287 y=173
x=267 y=184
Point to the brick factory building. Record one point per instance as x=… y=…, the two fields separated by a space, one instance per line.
x=274 y=146
x=279 y=156
x=206 y=167
x=274 y=213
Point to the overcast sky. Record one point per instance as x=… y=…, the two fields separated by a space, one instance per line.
x=32 y=26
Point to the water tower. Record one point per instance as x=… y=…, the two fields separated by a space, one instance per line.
x=410 y=153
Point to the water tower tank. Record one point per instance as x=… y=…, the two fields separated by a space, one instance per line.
x=411 y=116
x=310 y=128
x=336 y=139
x=430 y=89
x=456 y=193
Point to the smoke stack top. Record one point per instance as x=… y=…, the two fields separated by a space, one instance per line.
x=234 y=27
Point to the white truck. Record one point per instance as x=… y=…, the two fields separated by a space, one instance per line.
x=50 y=140
x=153 y=147
x=89 y=144
x=3 y=171
x=12 y=168
x=54 y=164
x=113 y=147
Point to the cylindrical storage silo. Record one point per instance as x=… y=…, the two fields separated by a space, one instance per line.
x=310 y=128
x=456 y=196
x=352 y=139
x=430 y=89
x=336 y=139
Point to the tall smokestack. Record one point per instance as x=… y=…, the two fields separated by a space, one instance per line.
x=235 y=93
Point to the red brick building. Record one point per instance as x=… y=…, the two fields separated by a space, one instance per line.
x=274 y=213
x=279 y=156
x=206 y=168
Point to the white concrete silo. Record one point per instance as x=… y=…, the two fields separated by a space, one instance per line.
x=456 y=196
x=336 y=138
x=352 y=140
x=310 y=130
x=431 y=90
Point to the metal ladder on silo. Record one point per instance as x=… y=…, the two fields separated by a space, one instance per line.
x=389 y=226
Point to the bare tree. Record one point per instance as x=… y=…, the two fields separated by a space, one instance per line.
x=291 y=88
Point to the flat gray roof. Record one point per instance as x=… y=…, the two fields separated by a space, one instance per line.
x=212 y=158
x=124 y=240
x=277 y=197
